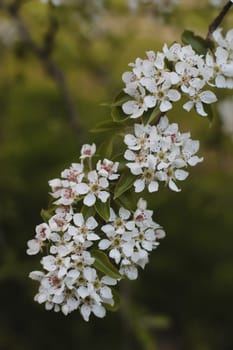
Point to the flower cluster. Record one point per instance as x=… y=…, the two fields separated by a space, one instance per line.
x=130 y=238
x=222 y=61
x=158 y=153
x=77 y=183
x=70 y=279
x=163 y=77
x=151 y=83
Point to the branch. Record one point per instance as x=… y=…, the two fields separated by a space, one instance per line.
x=43 y=54
x=213 y=26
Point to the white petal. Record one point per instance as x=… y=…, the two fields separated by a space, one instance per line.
x=92 y=237
x=208 y=97
x=173 y=95
x=106 y=292
x=165 y=106
x=78 y=219
x=91 y=223
x=92 y=176
x=173 y=186
x=153 y=186
x=200 y=109
x=99 y=311
x=33 y=247
x=124 y=213
x=85 y=312
x=128 y=249
x=139 y=185
x=89 y=273
x=188 y=106
x=104 y=244
x=150 y=101
x=82 y=188
x=115 y=254
x=181 y=174
x=103 y=196
x=108 y=280
x=129 y=155
x=194 y=160
x=83 y=292
x=89 y=199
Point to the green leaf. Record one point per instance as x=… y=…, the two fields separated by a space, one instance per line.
x=125 y=183
x=155 y=113
x=118 y=115
x=128 y=201
x=107 y=126
x=46 y=214
x=103 y=209
x=88 y=211
x=120 y=99
x=199 y=44
x=209 y=110
x=116 y=305
x=103 y=264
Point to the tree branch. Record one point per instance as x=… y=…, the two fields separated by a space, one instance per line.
x=43 y=54
x=216 y=22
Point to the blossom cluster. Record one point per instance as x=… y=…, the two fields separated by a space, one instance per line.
x=77 y=184
x=70 y=279
x=130 y=238
x=89 y=239
x=158 y=153
x=164 y=77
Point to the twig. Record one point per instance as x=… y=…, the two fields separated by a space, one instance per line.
x=213 y=26
x=43 y=54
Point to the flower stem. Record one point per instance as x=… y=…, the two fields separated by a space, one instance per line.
x=213 y=26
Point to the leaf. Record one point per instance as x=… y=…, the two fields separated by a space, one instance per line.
x=128 y=201
x=199 y=44
x=88 y=211
x=103 y=209
x=120 y=99
x=125 y=183
x=46 y=214
x=155 y=113
x=103 y=264
x=107 y=126
x=118 y=115
x=209 y=110
x=116 y=305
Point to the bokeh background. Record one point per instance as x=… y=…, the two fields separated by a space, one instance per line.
x=183 y=298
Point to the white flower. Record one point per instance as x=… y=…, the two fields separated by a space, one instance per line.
x=34 y=246
x=94 y=189
x=197 y=100
x=83 y=230
x=74 y=173
x=87 y=151
x=108 y=169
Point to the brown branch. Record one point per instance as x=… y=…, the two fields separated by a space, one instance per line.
x=216 y=22
x=43 y=54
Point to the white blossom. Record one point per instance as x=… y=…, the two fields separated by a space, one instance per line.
x=165 y=152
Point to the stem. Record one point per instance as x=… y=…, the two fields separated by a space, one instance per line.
x=213 y=26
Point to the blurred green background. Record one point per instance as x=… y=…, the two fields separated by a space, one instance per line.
x=183 y=299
